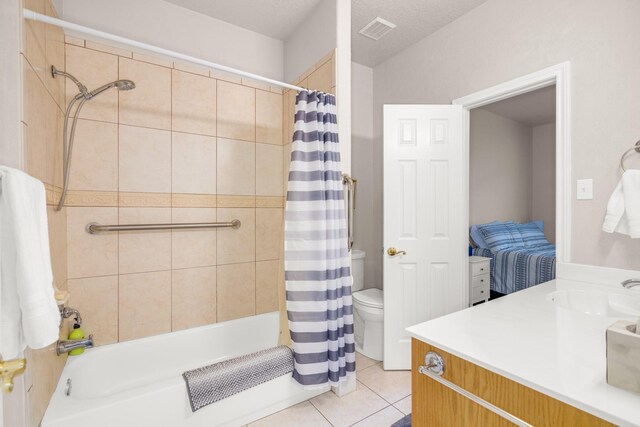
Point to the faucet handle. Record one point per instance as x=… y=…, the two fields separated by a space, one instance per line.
x=630 y=283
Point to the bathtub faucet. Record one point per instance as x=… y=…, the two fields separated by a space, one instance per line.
x=66 y=346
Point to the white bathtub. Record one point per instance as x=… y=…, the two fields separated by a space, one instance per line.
x=139 y=383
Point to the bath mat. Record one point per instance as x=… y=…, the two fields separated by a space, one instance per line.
x=403 y=422
x=215 y=382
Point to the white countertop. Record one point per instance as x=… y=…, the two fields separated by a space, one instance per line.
x=526 y=338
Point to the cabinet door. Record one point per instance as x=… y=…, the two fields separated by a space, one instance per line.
x=434 y=404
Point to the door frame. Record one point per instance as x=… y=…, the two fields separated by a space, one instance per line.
x=560 y=76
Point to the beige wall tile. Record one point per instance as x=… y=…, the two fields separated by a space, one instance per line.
x=193 y=163
x=286 y=163
x=267 y=286
x=223 y=75
x=91 y=254
x=108 y=49
x=54 y=55
x=144 y=304
x=236 y=111
x=39 y=115
x=57 y=221
x=151 y=59
x=93 y=69
x=141 y=251
x=95 y=157
x=193 y=200
x=193 y=248
x=236 y=291
x=74 y=41
x=239 y=245
x=269 y=229
x=268 y=117
x=149 y=104
x=193 y=297
x=225 y=201
x=191 y=68
x=322 y=79
x=144 y=200
x=145 y=160
x=97 y=300
x=268 y=170
x=34 y=43
x=236 y=167
x=193 y=103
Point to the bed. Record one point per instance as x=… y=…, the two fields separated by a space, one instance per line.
x=521 y=256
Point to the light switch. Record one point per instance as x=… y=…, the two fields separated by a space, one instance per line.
x=584 y=190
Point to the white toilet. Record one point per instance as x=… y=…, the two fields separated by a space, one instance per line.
x=368 y=311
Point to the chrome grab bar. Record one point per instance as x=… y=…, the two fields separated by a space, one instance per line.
x=434 y=368
x=95 y=228
x=350 y=204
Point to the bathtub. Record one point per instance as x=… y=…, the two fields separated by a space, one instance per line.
x=139 y=383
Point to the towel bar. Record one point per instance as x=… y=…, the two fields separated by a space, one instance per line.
x=95 y=228
x=635 y=148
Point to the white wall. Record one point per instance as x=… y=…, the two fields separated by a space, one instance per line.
x=543 y=191
x=172 y=27
x=500 y=169
x=311 y=40
x=10 y=85
x=503 y=39
x=362 y=170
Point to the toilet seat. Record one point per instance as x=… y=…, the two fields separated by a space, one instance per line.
x=372 y=297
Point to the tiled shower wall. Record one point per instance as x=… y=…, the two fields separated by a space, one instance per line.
x=185 y=145
x=42 y=116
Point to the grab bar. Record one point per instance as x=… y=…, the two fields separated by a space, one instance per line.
x=95 y=228
x=350 y=204
x=434 y=367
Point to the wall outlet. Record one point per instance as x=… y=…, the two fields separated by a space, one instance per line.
x=584 y=189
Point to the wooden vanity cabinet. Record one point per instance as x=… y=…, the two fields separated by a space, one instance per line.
x=435 y=404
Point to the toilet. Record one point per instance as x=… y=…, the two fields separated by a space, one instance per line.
x=368 y=311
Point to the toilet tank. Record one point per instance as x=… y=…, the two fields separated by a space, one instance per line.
x=357 y=269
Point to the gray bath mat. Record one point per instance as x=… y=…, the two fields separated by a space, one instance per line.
x=223 y=379
x=403 y=422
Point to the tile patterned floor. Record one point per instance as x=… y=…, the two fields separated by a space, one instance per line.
x=381 y=398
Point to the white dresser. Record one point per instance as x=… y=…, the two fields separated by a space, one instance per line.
x=479 y=277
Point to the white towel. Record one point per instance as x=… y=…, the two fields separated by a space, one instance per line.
x=623 y=210
x=30 y=315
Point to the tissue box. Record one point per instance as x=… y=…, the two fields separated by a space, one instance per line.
x=623 y=356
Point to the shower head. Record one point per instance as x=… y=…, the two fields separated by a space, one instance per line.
x=119 y=84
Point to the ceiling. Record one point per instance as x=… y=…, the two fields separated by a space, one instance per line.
x=532 y=109
x=415 y=19
x=273 y=18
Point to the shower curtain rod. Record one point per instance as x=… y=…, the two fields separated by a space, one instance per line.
x=35 y=16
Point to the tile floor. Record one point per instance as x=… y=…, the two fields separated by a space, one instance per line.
x=381 y=398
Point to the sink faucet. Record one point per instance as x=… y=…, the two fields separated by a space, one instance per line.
x=631 y=283
x=67 y=345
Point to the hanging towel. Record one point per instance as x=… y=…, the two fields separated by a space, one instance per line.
x=317 y=265
x=30 y=315
x=623 y=210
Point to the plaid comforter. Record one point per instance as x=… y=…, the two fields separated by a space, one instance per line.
x=520 y=268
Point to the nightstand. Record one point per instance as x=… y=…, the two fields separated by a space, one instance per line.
x=479 y=277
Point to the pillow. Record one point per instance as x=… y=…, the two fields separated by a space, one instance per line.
x=501 y=236
x=539 y=223
x=532 y=235
x=476 y=236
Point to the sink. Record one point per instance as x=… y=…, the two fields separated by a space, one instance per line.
x=597 y=303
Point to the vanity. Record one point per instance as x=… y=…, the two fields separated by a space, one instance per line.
x=535 y=357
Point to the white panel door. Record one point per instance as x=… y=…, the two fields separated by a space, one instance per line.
x=423 y=216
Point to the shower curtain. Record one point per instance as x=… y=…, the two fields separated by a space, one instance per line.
x=317 y=267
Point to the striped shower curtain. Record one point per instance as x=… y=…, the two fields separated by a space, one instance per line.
x=317 y=269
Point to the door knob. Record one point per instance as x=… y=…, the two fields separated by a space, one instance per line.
x=10 y=369
x=393 y=252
